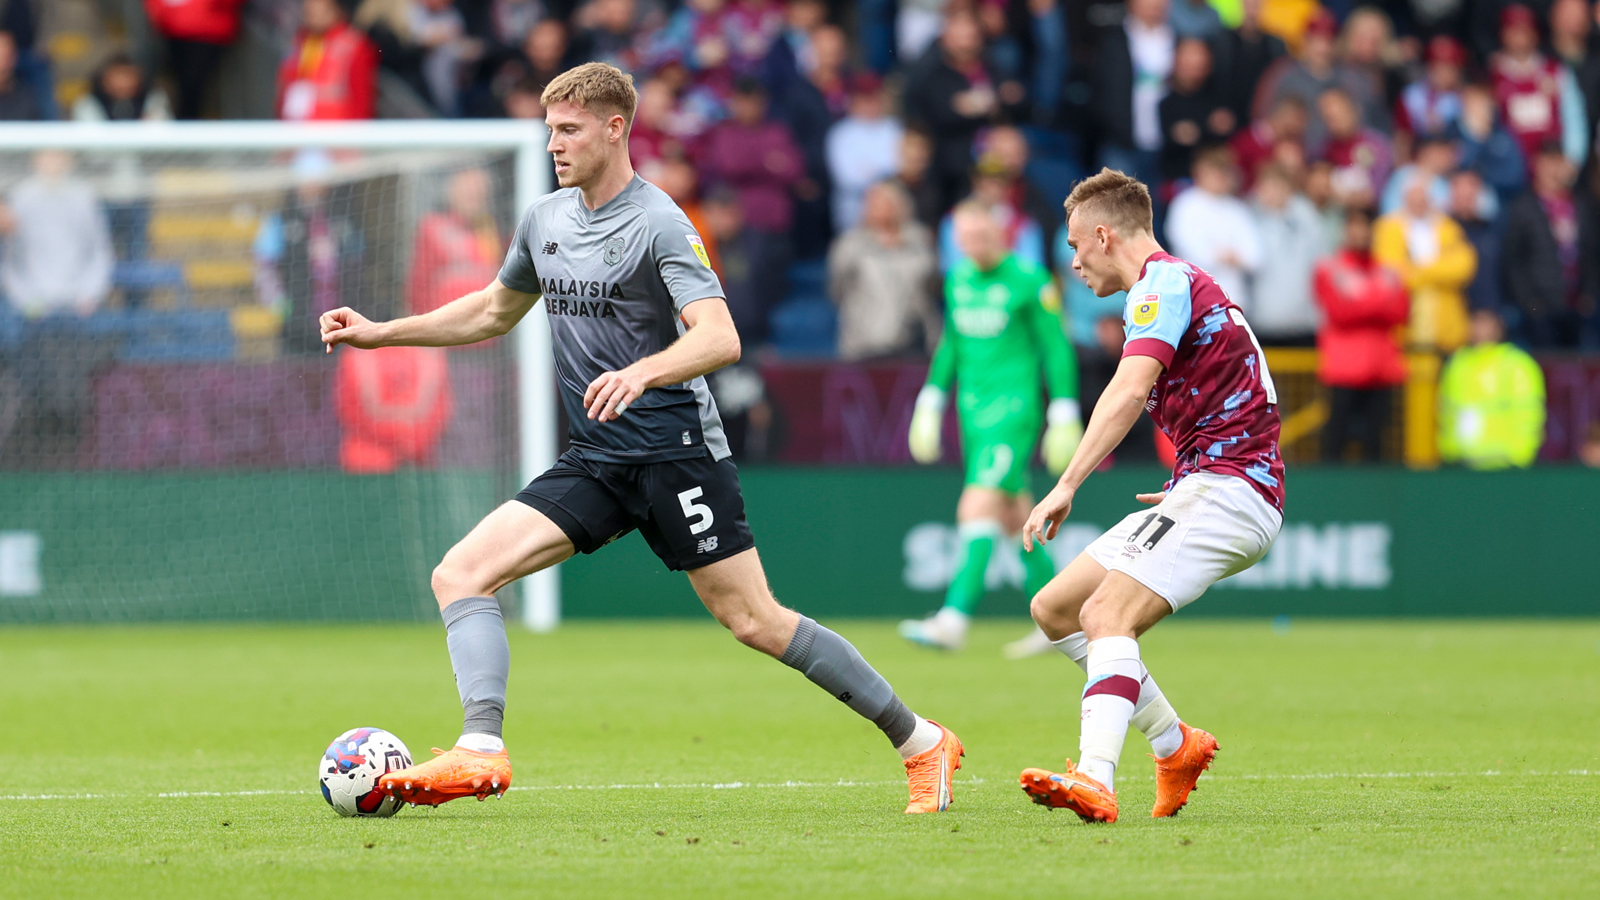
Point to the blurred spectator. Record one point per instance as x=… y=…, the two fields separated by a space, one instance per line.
x=1551 y=256
x=120 y=92
x=393 y=405
x=439 y=31
x=653 y=137
x=1431 y=105
x=1194 y=19
x=1491 y=401
x=332 y=70
x=522 y=102
x=915 y=176
x=881 y=275
x=542 y=54
x=751 y=27
x=918 y=25
x=309 y=253
x=809 y=108
x=1588 y=72
x=753 y=263
x=1193 y=112
x=1368 y=48
x=1081 y=310
x=1487 y=148
x=1467 y=208
x=1214 y=229
x=1313 y=71
x=459 y=249
x=1435 y=158
x=1242 y=56
x=679 y=180
x=1435 y=262
x=1570 y=38
x=607 y=32
x=17 y=101
x=863 y=148
x=1538 y=96
x=1360 y=156
x=950 y=95
x=1358 y=357
x=757 y=157
x=1130 y=76
x=1051 y=58
x=1319 y=190
x=1292 y=240
x=1003 y=54
x=1253 y=146
x=749 y=421
x=196 y=32
x=1097 y=365
x=57 y=256
x=1005 y=152
x=791 y=55
x=993 y=186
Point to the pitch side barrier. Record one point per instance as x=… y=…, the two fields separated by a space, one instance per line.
x=843 y=542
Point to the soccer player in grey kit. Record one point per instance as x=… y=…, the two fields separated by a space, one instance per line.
x=637 y=318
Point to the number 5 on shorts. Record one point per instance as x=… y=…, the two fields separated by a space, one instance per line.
x=693 y=510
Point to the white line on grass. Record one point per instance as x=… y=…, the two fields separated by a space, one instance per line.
x=771 y=785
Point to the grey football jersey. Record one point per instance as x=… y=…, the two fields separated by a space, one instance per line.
x=614 y=281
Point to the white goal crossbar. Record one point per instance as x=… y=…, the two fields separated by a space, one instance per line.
x=524 y=139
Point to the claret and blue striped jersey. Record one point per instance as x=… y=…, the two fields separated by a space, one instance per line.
x=1216 y=400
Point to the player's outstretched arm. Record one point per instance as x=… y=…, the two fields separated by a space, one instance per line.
x=1114 y=413
x=478 y=316
x=710 y=343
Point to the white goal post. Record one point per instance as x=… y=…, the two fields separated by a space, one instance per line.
x=524 y=140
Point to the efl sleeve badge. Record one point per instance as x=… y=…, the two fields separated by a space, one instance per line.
x=699 y=248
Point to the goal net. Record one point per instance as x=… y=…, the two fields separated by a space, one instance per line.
x=175 y=444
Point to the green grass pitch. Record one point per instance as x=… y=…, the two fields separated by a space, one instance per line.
x=1359 y=759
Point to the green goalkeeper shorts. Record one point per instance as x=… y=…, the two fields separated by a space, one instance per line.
x=999 y=459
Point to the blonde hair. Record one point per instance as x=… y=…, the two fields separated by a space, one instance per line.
x=602 y=89
x=1120 y=202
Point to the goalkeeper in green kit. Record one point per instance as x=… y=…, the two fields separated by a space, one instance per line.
x=1002 y=326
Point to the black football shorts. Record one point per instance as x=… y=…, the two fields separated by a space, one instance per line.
x=690 y=511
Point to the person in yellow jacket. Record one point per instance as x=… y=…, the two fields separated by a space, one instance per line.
x=1434 y=260
x=1491 y=401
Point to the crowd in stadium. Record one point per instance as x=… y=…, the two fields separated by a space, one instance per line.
x=1416 y=176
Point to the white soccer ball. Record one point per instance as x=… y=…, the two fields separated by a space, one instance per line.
x=350 y=769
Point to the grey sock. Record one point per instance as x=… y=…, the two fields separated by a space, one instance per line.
x=835 y=666
x=475 y=632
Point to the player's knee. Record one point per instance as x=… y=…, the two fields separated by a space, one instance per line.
x=1101 y=617
x=1039 y=607
x=451 y=583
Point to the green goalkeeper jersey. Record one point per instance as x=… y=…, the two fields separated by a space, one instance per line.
x=1001 y=328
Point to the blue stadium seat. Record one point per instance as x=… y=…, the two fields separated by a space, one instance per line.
x=143 y=275
x=805 y=328
x=188 y=335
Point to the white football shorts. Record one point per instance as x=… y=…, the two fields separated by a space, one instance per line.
x=1209 y=526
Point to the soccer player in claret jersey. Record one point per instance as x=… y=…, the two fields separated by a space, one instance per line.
x=637 y=318
x=1193 y=363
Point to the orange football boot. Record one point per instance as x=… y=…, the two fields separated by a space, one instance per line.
x=1071 y=790
x=929 y=774
x=1176 y=774
x=450 y=775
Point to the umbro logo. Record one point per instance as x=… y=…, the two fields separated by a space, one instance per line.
x=549 y=248
x=706 y=545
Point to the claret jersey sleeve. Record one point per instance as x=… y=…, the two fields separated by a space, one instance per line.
x=681 y=258
x=1158 y=312
x=518 y=272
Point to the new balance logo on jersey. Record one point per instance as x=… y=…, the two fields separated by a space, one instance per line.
x=706 y=545
x=549 y=248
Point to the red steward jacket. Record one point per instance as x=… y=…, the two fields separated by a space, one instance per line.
x=333 y=75
x=1362 y=304
x=206 y=21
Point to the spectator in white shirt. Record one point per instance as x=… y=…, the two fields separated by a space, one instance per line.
x=863 y=149
x=1292 y=240
x=58 y=250
x=1210 y=227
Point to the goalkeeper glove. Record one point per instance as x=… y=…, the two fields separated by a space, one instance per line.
x=927 y=421
x=1063 y=431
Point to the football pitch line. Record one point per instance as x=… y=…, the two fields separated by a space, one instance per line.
x=778 y=785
